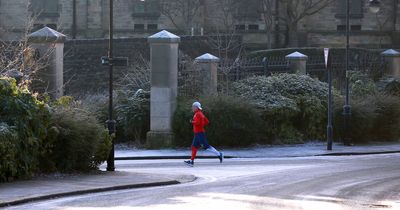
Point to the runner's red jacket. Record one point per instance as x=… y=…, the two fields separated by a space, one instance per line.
x=199 y=121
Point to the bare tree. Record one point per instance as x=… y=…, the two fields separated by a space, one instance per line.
x=181 y=13
x=268 y=17
x=296 y=10
x=382 y=23
x=224 y=40
x=137 y=76
x=19 y=60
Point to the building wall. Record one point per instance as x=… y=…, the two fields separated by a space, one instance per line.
x=375 y=28
x=13 y=18
x=320 y=29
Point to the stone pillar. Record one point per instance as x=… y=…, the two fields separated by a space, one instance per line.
x=297 y=62
x=208 y=65
x=393 y=59
x=50 y=44
x=164 y=88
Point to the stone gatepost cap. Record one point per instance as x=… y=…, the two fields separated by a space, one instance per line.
x=207 y=58
x=164 y=37
x=296 y=56
x=391 y=53
x=46 y=35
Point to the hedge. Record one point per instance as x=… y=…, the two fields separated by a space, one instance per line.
x=25 y=120
x=36 y=137
x=233 y=122
x=294 y=106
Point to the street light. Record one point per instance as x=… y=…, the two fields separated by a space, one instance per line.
x=111 y=124
x=112 y=61
x=374 y=6
x=347 y=107
x=329 y=127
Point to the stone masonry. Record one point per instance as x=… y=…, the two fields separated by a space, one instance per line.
x=320 y=29
x=164 y=88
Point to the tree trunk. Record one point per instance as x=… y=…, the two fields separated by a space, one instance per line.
x=293 y=36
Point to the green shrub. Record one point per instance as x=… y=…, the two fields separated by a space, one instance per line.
x=30 y=117
x=361 y=84
x=375 y=117
x=77 y=141
x=294 y=106
x=8 y=152
x=387 y=121
x=133 y=115
x=233 y=122
x=131 y=111
x=390 y=86
x=362 y=118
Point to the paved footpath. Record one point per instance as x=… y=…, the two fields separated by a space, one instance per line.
x=52 y=186
x=300 y=150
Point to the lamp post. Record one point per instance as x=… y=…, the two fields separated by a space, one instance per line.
x=347 y=107
x=111 y=124
x=374 y=6
x=329 y=127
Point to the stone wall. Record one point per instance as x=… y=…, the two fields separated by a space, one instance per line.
x=84 y=73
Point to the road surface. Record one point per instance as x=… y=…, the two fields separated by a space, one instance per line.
x=345 y=182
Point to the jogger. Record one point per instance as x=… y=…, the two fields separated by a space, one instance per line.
x=200 y=139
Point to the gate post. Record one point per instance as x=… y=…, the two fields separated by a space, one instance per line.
x=393 y=58
x=209 y=72
x=50 y=43
x=297 y=62
x=164 y=88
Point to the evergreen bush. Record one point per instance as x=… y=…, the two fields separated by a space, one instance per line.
x=133 y=115
x=76 y=140
x=375 y=117
x=293 y=105
x=233 y=122
x=24 y=121
x=8 y=152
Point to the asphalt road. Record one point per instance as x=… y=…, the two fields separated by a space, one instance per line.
x=347 y=182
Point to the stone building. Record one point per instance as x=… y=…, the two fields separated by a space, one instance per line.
x=139 y=18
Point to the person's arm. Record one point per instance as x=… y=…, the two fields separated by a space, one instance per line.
x=196 y=120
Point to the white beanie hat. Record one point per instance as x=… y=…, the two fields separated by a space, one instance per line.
x=197 y=104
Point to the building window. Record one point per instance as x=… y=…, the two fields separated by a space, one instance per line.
x=240 y=27
x=48 y=8
x=356 y=8
x=148 y=8
x=152 y=27
x=247 y=10
x=139 y=27
x=341 y=28
x=253 y=27
x=355 y=27
x=352 y=27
